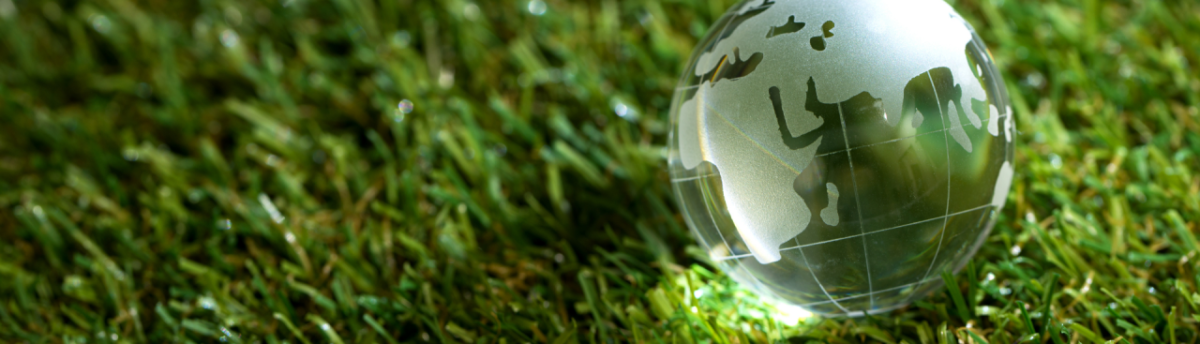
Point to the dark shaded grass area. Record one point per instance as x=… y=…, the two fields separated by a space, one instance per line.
x=245 y=171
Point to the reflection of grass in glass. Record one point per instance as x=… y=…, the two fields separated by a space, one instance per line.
x=136 y=144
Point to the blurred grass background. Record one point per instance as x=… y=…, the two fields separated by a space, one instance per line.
x=408 y=171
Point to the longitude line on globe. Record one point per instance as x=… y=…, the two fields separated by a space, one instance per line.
x=819 y=285
x=946 y=137
x=857 y=206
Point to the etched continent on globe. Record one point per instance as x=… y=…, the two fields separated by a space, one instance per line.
x=802 y=125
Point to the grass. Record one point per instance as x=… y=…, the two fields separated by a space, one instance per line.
x=241 y=171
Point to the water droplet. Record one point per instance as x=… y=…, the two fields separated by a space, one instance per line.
x=621 y=109
x=229 y=38
x=1126 y=70
x=698 y=293
x=226 y=224
x=1016 y=250
x=272 y=160
x=471 y=11
x=537 y=7
x=39 y=213
x=405 y=107
x=1035 y=79
x=1112 y=305
x=645 y=18
x=401 y=38
x=1055 y=161
x=270 y=207
x=558 y=258
x=100 y=23
x=446 y=78
x=991 y=276
x=291 y=238
x=1005 y=291
x=1153 y=291
x=207 y=302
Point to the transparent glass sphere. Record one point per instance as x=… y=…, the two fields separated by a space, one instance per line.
x=841 y=154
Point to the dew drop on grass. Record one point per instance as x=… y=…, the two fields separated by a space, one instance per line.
x=537 y=7
x=229 y=38
x=100 y=23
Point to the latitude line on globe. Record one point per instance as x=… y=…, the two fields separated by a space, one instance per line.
x=684 y=179
x=789 y=166
x=857 y=235
x=946 y=137
x=857 y=205
x=902 y=286
x=907 y=137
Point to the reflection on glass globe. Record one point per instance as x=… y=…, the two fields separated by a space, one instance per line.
x=841 y=154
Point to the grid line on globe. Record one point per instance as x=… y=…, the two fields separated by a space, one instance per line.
x=939 y=131
x=858 y=210
x=852 y=236
x=768 y=133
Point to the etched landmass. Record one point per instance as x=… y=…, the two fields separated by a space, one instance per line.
x=830 y=215
x=747 y=12
x=926 y=94
x=818 y=42
x=791 y=27
x=733 y=68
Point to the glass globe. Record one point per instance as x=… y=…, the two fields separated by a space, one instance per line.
x=840 y=155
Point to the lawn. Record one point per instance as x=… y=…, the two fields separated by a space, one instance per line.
x=494 y=172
